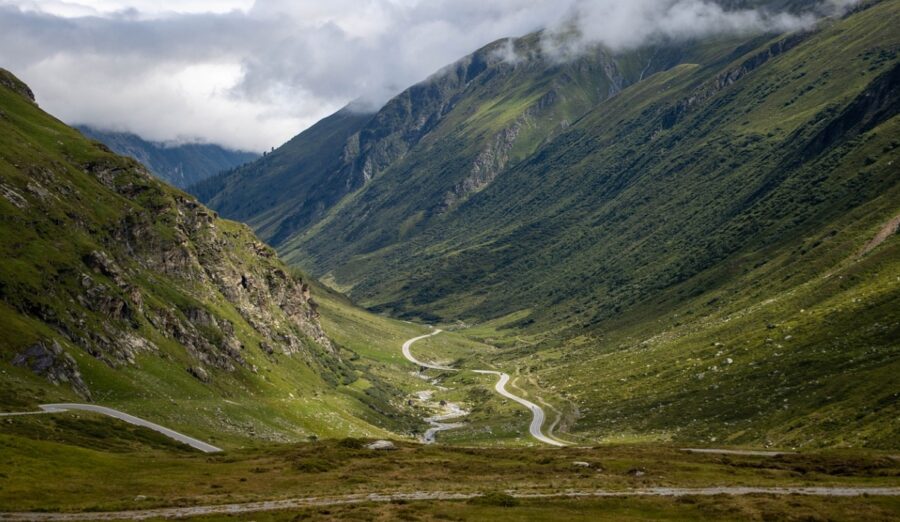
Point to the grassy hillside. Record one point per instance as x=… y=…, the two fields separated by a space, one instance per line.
x=674 y=177
x=431 y=147
x=148 y=471
x=739 y=203
x=120 y=290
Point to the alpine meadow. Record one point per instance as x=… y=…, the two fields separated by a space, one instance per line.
x=521 y=260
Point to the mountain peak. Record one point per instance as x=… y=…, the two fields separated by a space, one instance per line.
x=11 y=82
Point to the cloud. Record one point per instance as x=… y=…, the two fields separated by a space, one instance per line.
x=252 y=74
x=628 y=25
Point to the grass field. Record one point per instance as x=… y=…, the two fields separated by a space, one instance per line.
x=66 y=468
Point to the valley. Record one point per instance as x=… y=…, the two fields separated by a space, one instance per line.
x=534 y=428
x=558 y=278
x=665 y=260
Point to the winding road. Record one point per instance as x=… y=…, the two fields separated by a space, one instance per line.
x=131 y=419
x=537 y=412
x=410 y=358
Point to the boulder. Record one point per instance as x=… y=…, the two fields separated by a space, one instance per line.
x=381 y=445
x=199 y=373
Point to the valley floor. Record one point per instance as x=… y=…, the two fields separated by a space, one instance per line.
x=535 y=428
x=58 y=467
x=155 y=479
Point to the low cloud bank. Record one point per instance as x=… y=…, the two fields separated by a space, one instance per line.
x=251 y=75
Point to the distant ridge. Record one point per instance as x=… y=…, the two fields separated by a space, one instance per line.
x=178 y=165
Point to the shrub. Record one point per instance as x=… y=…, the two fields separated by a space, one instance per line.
x=313 y=465
x=495 y=498
x=352 y=443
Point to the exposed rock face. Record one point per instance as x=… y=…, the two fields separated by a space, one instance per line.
x=199 y=257
x=494 y=158
x=11 y=82
x=408 y=118
x=712 y=87
x=48 y=359
x=382 y=445
x=205 y=255
x=199 y=373
x=136 y=268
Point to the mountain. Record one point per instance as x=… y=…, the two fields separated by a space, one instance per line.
x=178 y=165
x=296 y=182
x=474 y=117
x=628 y=223
x=117 y=288
x=428 y=199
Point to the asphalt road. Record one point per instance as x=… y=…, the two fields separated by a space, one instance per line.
x=410 y=358
x=537 y=412
x=131 y=419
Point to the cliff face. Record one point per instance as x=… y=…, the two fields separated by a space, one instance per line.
x=100 y=257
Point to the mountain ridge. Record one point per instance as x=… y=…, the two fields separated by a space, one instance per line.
x=714 y=210
x=180 y=165
x=118 y=288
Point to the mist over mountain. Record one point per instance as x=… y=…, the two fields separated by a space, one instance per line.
x=643 y=191
x=180 y=165
x=252 y=77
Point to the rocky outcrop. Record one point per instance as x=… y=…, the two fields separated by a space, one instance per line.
x=487 y=165
x=16 y=85
x=406 y=119
x=220 y=262
x=879 y=102
x=674 y=114
x=199 y=373
x=165 y=267
x=207 y=261
x=494 y=158
x=48 y=359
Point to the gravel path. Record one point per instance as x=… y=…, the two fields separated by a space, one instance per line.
x=297 y=503
x=754 y=453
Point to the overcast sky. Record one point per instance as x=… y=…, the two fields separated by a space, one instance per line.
x=252 y=74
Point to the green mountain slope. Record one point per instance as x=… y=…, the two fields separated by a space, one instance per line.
x=119 y=289
x=661 y=183
x=178 y=165
x=294 y=184
x=739 y=203
x=432 y=146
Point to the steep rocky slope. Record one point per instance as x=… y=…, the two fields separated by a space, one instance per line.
x=178 y=165
x=116 y=287
x=394 y=207
x=651 y=188
x=462 y=127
